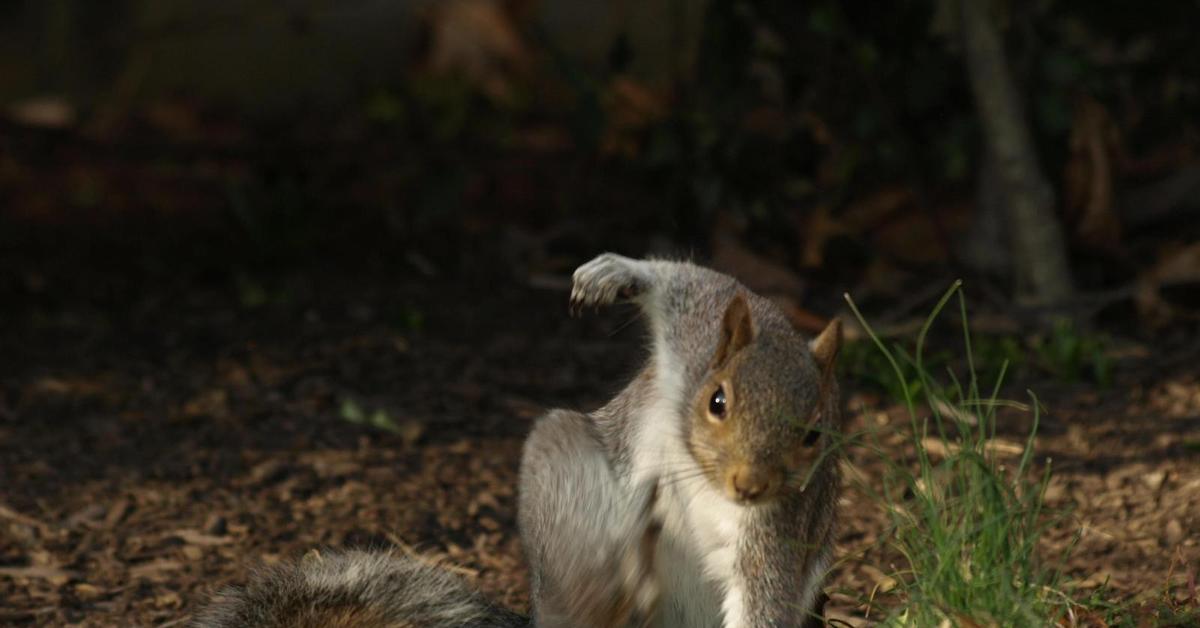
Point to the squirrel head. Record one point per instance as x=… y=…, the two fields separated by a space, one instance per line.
x=767 y=407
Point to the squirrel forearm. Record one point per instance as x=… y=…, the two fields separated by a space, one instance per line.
x=782 y=563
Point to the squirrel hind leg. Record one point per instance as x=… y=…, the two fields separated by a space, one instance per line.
x=590 y=540
x=643 y=588
x=607 y=278
x=636 y=550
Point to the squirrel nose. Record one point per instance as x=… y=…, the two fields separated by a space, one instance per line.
x=748 y=483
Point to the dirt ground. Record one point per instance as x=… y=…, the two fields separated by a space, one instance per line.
x=158 y=438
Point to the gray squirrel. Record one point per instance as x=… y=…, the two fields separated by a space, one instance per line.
x=701 y=496
x=735 y=418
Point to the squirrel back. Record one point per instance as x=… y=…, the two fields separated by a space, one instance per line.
x=354 y=589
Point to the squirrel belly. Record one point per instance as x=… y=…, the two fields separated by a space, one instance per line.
x=354 y=589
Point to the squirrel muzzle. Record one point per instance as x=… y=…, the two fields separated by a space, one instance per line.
x=750 y=483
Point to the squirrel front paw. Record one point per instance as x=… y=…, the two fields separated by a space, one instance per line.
x=605 y=279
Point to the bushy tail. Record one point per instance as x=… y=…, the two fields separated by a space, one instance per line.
x=354 y=589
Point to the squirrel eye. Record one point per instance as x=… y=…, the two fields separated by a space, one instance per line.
x=716 y=405
x=811 y=437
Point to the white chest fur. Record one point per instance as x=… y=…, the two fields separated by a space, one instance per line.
x=697 y=552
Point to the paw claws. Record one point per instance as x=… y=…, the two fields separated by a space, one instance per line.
x=604 y=280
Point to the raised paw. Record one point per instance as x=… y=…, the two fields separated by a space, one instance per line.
x=605 y=279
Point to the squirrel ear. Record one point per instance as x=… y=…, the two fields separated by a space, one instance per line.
x=737 y=330
x=826 y=345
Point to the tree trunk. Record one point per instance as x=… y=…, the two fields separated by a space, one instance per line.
x=1039 y=256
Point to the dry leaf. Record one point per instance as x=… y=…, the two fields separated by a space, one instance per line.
x=212 y=403
x=195 y=537
x=8 y=513
x=954 y=412
x=88 y=591
x=760 y=274
x=411 y=432
x=1096 y=579
x=801 y=318
x=633 y=104
x=1173 y=533
x=116 y=511
x=870 y=212
x=1088 y=177
x=631 y=107
x=53 y=574
x=996 y=446
x=477 y=40
x=170 y=599
x=819 y=229
x=50 y=112
x=1176 y=265
x=71 y=387
x=155 y=569
x=1154 y=479
x=883 y=582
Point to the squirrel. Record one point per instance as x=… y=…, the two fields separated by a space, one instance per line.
x=734 y=418
x=702 y=495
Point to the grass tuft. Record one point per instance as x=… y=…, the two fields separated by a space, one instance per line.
x=965 y=518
